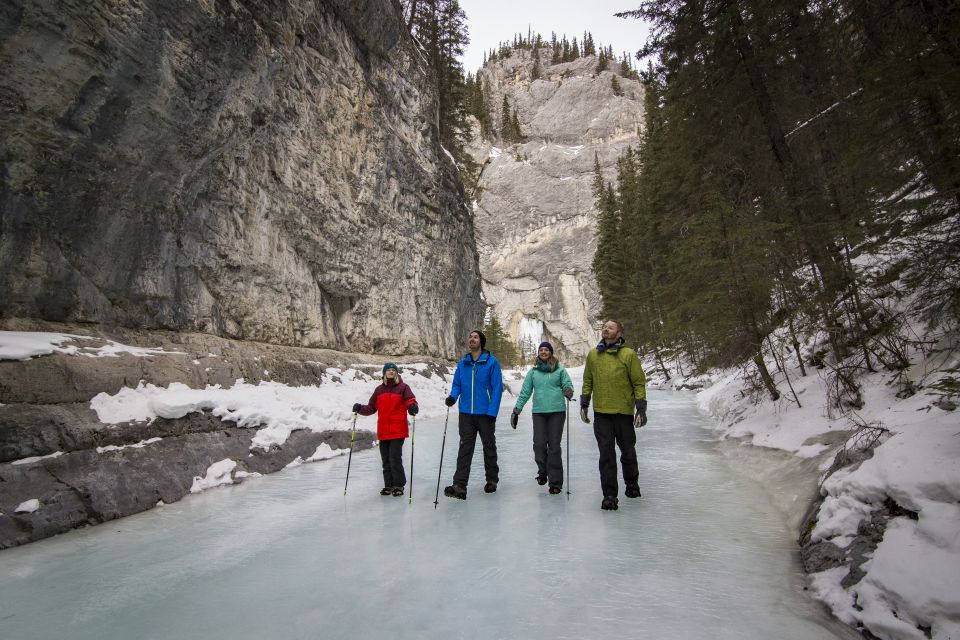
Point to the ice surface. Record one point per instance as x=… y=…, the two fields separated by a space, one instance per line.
x=702 y=555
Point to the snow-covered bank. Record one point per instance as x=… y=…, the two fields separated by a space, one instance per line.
x=883 y=544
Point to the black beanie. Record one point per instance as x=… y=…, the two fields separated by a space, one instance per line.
x=483 y=338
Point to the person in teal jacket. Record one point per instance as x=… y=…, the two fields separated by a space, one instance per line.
x=550 y=385
x=478 y=384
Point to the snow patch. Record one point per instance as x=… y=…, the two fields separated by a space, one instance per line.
x=219 y=473
x=137 y=445
x=23 y=345
x=33 y=459
x=28 y=506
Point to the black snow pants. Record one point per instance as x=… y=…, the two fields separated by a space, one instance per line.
x=391 y=454
x=470 y=426
x=610 y=429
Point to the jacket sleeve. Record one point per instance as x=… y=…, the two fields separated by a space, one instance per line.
x=455 y=389
x=565 y=380
x=587 y=376
x=637 y=378
x=525 y=391
x=371 y=407
x=496 y=387
x=408 y=397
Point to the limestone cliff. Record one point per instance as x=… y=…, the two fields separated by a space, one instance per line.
x=264 y=170
x=535 y=213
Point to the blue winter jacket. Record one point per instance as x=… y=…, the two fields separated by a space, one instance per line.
x=478 y=385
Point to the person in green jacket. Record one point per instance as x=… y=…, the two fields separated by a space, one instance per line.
x=549 y=384
x=613 y=376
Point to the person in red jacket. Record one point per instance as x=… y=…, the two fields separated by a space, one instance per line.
x=391 y=401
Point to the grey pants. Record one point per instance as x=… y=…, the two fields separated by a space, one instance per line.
x=547 y=434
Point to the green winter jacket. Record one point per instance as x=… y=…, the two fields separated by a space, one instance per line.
x=614 y=378
x=547 y=389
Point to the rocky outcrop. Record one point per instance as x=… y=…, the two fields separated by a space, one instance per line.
x=265 y=171
x=535 y=213
x=55 y=449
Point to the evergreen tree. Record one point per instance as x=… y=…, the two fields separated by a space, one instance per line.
x=574 y=50
x=499 y=343
x=589 y=48
x=515 y=132
x=615 y=85
x=506 y=131
x=601 y=61
x=441 y=26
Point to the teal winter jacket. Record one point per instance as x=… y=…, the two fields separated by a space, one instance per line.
x=546 y=383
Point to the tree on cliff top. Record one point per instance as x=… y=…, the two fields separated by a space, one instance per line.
x=441 y=28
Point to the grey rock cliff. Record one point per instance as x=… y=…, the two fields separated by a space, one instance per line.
x=265 y=171
x=536 y=215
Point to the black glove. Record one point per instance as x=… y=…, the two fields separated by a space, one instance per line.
x=584 y=402
x=514 y=417
x=450 y=401
x=413 y=409
x=641 y=418
x=568 y=393
x=356 y=407
x=585 y=415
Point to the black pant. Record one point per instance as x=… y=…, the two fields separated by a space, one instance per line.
x=470 y=426
x=610 y=428
x=547 y=434
x=391 y=453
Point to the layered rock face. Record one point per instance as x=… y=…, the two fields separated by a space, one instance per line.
x=263 y=170
x=536 y=215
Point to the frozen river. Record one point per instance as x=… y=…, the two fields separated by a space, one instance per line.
x=703 y=554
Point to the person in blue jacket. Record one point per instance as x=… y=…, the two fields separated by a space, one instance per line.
x=550 y=385
x=478 y=384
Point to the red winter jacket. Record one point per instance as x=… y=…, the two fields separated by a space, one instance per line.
x=390 y=402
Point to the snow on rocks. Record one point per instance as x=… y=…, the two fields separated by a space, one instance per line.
x=32 y=459
x=23 y=345
x=218 y=474
x=884 y=544
x=28 y=506
x=275 y=409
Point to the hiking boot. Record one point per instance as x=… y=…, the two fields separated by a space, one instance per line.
x=609 y=503
x=632 y=491
x=455 y=491
x=541 y=480
x=491 y=486
x=555 y=490
x=398 y=491
x=386 y=491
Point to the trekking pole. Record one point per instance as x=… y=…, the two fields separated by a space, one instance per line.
x=568 y=448
x=436 y=498
x=350 y=456
x=413 y=439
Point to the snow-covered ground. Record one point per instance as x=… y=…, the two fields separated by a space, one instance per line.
x=912 y=584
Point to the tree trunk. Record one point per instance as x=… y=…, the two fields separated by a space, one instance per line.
x=766 y=377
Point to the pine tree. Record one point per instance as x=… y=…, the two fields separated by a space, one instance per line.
x=515 y=132
x=441 y=26
x=506 y=131
x=499 y=343
x=615 y=85
x=601 y=61
x=574 y=50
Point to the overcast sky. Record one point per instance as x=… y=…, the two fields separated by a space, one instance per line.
x=493 y=21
